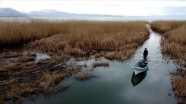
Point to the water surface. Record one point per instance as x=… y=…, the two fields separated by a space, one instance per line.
x=117 y=18
x=113 y=84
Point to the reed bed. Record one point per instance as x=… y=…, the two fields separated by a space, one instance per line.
x=173 y=44
x=179 y=85
x=14 y=32
x=163 y=26
x=174 y=39
x=115 y=40
x=98 y=64
x=21 y=76
x=85 y=75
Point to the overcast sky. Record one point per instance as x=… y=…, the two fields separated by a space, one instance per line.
x=113 y=7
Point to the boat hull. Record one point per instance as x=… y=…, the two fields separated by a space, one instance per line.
x=138 y=68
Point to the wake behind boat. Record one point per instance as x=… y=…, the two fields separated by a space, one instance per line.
x=140 y=66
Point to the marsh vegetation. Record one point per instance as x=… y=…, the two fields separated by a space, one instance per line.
x=173 y=44
x=23 y=76
x=113 y=40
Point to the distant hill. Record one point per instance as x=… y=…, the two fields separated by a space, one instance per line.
x=50 y=13
x=9 y=12
x=55 y=13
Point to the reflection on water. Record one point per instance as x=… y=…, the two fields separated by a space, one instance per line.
x=136 y=79
x=113 y=84
x=40 y=56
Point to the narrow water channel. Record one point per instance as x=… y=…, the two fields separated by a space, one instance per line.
x=114 y=86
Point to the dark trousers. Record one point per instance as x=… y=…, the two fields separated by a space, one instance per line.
x=145 y=57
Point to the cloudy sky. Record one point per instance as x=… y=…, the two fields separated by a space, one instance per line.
x=113 y=7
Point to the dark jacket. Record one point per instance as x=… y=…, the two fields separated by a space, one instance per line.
x=145 y=53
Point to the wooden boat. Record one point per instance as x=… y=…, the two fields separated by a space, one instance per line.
x=140 y=66
x=136 y=79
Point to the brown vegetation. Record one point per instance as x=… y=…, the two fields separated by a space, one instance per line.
x=163 y=26
x=97 y=64
x=174 y=39
x=114 y=40
x=60 y=57
x=179 y=85
x=13 y=32
x=173 y=44
x=22 y=31
x=85 y=75
x=21 y=77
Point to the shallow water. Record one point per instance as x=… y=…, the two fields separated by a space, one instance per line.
x=117 y=18
x=113 y=84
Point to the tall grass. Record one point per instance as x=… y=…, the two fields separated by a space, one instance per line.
x=179 y=84
x=173 y=43
x=90 y=37
x=13 y=32
x=17 y=31
x=174 y=39
x=163 y=26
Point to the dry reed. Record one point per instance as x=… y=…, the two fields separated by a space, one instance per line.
x=61 y=86
x=113 y=40
x=22 y=31
x=173 y=44
x=85 y=75
x=21 y=77
x=13 y=32
x=60 y=57
x=174 y=39
x=163 y=26
x=98 y=64
x=90 y=37
x=179 y=85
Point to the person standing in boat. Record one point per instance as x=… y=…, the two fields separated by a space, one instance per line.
x=145 y=53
